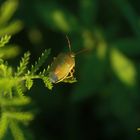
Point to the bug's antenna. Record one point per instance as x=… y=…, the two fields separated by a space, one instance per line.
x=68 y=43
x=83 y=50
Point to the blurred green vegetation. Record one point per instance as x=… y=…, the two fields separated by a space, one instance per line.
x=104 y=103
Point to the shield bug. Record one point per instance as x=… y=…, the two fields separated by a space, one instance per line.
x=62 y=68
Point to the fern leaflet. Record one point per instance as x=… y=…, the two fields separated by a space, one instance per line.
x=40 y=61
x=23 y=64
x=4 y=40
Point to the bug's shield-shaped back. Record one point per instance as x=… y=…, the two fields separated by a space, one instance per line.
x=69 y=79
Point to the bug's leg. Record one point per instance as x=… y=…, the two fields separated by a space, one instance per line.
x=70 y=74
x=67 y=78
x=70 y=78
x=72 y=71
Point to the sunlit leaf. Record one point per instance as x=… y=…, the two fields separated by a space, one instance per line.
x=123 y=67
x=7 y=10
x=57 y=18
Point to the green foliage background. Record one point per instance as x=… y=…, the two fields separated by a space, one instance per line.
x=104 y=103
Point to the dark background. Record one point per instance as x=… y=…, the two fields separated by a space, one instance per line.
x=104 y=103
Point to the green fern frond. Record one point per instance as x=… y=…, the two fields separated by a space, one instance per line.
x=20 y=116
x=5 y=70
x=23 y=64
x=29 y=83
x=11 y=28
x=16 y=101
x=9 y=51
x=44 y=76
x=7 y=87
x=19 y=90
x=16 y=131
x=47 y=82
x=40 y=61
x=3 y=125
x=7 y=10
x=44 y=72
x=4 y=40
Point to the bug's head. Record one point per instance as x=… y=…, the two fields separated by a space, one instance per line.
x=72 y=54
x=69 y=45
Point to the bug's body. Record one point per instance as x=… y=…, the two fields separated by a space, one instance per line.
x=61 y=67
